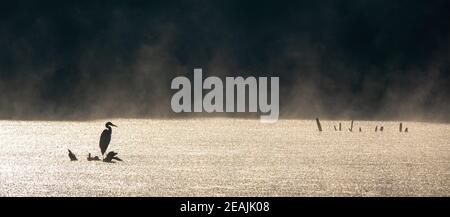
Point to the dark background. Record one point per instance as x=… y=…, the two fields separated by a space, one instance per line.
x=363 y=59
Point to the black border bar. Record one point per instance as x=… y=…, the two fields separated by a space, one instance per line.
x=171 y=206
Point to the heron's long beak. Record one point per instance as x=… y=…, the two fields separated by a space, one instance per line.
x=113 y=125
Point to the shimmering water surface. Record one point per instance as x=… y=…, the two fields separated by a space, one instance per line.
x=225 y=157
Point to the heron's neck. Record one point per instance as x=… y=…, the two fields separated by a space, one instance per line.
x=109 y=128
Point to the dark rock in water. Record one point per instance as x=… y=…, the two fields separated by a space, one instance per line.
x=111 y=156
x=72 y=156
x=406 y=130
x=90 y=158
x=360 y=130
x=381 y=128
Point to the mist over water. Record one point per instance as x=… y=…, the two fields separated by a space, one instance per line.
x=336 y=60
x=67 y=68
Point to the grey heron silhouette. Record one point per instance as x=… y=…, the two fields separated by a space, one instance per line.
x=105 y=138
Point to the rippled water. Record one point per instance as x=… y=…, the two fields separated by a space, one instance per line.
x=224 y=157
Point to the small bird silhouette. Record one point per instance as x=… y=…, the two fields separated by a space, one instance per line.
x=111 y=156
x=72 y=156
x=90 y=158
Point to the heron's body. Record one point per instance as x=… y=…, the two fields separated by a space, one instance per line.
x=105 y=138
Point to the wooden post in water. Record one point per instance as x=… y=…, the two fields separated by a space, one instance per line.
x=340 y=126
x=335 y=129
x=351 y=127
x=360 y=129
x=376 y=128
x=400 y=128
x=319 y=126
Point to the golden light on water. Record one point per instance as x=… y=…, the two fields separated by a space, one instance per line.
x=225 y=157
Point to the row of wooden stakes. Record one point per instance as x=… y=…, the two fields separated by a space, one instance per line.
x=319 y=126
